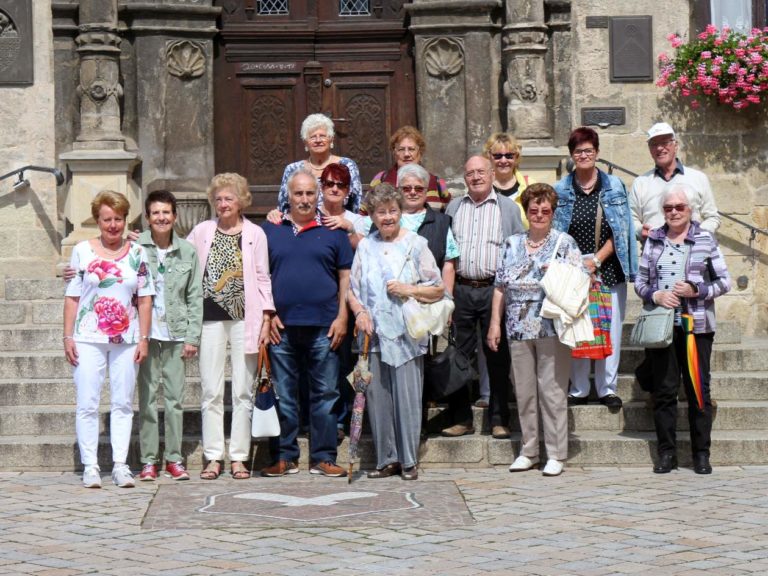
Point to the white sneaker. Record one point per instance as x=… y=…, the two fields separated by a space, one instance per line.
x=553 y=468
x=92 y=477
x=522 y=463
x=122 y=477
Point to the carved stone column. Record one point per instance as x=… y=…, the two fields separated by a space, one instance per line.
x=524 y=54
x=457 y=57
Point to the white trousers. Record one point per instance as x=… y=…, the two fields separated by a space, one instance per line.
x=606 y=371
x=89 y=376
x=213 y=355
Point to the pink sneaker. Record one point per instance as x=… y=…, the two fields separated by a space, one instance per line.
x=176 y=471
x=148 y=473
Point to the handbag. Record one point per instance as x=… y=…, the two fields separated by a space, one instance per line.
x=264 y=421
x=565 y=285
x=447 y=371
x=422 y=319
x=653 y=328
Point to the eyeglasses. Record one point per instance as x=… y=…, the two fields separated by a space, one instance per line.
x=663 y=144
x=541 y=212
x=588 y=152
x=472 y=173
x=332 y=183
x=406 y=149
x=318 y=138
x=409 y=189
x=676 y=207
x=507 y=155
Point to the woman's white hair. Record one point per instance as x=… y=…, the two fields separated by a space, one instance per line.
x=676 y=188
x=315 y=121
x=415 y=171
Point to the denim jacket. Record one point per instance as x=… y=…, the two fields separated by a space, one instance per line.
x=183 y=287
x=616 y=211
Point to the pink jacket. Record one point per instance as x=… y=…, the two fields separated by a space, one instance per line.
x=257 y=285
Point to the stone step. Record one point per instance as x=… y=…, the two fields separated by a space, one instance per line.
x=26 y=289
x=725 y=385
x=590 y=448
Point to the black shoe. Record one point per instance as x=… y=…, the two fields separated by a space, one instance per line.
x=667 y=462
x=611 y=401
x=577 y=401
x=701 y=464
x=388 y=470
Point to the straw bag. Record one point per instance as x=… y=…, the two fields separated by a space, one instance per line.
x=264 y=422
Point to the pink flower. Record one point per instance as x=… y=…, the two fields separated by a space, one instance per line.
x=711 y=29
x=663 y=57
x=112 y=315
x=703 y=36
x=717 y=42
x=103 y=269
x=695 y=104
x=754 y=98
x=706 y=55
x=676 y=42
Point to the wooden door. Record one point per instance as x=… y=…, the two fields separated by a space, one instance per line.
x=279 y=60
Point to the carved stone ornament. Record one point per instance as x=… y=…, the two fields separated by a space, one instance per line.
x=193 y=208
x=185 y=59
x=443 y=57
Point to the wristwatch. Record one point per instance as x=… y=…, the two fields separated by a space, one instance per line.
x=597 y=262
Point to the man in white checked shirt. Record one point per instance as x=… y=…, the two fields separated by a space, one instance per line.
x=481 y=221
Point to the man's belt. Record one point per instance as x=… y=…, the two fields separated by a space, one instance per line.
x=476 y=283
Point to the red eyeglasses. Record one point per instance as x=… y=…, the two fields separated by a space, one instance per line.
x=332 y=183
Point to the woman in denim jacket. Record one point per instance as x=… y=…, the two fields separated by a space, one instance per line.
x=614 y=258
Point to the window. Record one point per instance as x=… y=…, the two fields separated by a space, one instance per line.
x=354 y=7
x=273 y=7
x=741 y=15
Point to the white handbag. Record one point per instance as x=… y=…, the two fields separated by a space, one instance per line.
x=265 y=422
x=565 y=285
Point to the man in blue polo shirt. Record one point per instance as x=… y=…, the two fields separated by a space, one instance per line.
x=309 y=264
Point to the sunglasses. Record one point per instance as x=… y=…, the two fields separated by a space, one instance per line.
x=332 y=183
x=507 y=155
x=408 y=189
x=540 y=212
x=676 y=207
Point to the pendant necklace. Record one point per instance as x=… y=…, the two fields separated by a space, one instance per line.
x=111 y=253
x=161 y=260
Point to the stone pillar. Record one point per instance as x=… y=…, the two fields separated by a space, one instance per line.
x=98 y=159
x=457 y=56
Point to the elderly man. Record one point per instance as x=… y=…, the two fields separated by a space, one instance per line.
x=645 y=197
x=310 y=266
x=482 y=219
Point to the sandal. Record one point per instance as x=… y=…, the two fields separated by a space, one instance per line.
x=211 y=471
x=239 y=471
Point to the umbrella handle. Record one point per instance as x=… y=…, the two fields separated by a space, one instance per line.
x=366 y=343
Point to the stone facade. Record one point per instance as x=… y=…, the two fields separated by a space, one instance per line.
x=529 y=66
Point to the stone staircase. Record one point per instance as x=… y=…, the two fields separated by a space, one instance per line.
x=37 y=419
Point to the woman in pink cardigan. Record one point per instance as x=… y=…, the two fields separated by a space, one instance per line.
x=237 y=307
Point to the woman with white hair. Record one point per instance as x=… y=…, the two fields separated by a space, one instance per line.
x=317 y=132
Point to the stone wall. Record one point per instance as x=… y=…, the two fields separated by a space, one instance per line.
x=29 y=223
x=730 y=146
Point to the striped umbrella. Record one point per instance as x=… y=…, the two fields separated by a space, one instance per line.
x=361 y=378
x=692 y=355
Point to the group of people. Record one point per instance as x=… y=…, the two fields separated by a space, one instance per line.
x=329 y=267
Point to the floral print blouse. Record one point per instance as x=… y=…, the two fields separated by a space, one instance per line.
x=108 y=291
x=518 y=277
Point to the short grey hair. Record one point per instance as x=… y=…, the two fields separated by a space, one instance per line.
x=315 y=121
x=301 y=171
x=383 y=193
x=677 y=188
x=413 y=170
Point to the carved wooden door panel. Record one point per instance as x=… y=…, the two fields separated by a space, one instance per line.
x=278 y=61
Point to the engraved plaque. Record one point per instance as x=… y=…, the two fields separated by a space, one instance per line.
x=597 y=21
x=631 y=49
x=16 y=63
x=603 y=116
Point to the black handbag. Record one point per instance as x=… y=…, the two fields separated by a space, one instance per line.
x=447 y=371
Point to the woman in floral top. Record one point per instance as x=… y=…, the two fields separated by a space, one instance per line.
x=540 y=362
x=107 y=317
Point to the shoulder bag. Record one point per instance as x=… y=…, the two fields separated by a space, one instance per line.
x=447 y=371
x=653 y=328
x=264 y=422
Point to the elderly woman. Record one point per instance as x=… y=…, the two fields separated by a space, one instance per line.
x=391 y=265
x=594 y=210
x=540 y=362
x=107 y=317
x=503 y=150
x=317 y=132
x=408 y=147
x=237 y=307
x=682 y=268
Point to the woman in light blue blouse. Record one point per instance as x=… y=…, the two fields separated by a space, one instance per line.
x=540 y=362
x=391 y=265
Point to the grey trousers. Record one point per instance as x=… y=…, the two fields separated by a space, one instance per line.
x=393 y=399
x=541 y=368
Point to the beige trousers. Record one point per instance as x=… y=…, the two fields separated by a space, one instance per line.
x=540 y=369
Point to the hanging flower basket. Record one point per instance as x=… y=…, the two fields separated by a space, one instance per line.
x=727 y=66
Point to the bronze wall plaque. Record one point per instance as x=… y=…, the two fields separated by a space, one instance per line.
x=16 y=62
x=603 y=116
x=631 y=49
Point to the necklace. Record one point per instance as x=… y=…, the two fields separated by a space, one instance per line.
x=534 y=245
x=318 y=168
x=589 y=185
x=111 y=253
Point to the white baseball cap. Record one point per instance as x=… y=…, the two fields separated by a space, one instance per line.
x=660 y=129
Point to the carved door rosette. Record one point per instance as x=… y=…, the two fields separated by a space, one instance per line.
x=191 y=208
x=443 y=57
x=185 y=59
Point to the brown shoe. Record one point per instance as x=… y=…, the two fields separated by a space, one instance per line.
x=459 y=430
x=328 y=469
x=280 y=468
x=410 y=473
x=388 y=470
x=500 y=432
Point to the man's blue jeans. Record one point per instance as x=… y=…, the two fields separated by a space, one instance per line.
x=308 y=347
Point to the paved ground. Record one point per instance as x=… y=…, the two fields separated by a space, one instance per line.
x=595 y=521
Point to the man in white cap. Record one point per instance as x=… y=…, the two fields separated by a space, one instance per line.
x=644 y=199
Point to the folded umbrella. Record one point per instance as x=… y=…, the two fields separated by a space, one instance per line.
x=361 y=378
x=692 y=356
